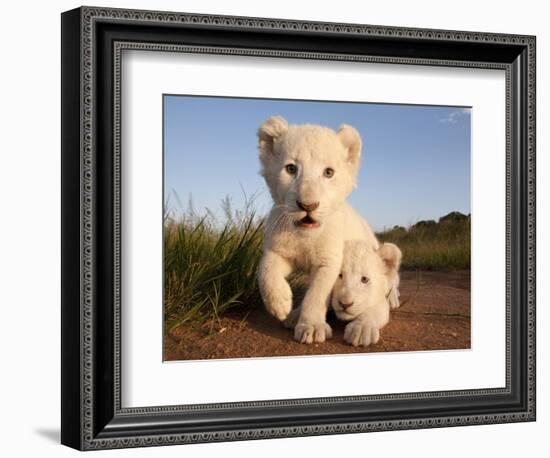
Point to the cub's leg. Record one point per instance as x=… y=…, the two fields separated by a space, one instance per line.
x=312 y=326
x=274 y=288
x=365 y=329
x=393 y=298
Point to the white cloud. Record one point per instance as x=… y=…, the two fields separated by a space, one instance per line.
x=454 y=116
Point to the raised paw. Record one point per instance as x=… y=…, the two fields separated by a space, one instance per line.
x=279 y=307
x=308 y=333
x=281 y=311
x=361 y=333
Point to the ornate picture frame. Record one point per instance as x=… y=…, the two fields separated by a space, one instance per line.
x=93 y=416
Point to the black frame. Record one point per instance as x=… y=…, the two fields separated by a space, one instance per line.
x=92 y=42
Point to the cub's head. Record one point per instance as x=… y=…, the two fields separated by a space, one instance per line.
x=309 y=169
x=365 y=279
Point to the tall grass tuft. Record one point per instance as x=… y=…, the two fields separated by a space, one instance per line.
x=210 y=268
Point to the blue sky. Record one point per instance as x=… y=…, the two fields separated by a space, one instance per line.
x=415 y=163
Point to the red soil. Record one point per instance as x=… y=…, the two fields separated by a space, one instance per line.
x=434 y=315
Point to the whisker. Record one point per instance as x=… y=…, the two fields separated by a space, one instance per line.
x=278 y=220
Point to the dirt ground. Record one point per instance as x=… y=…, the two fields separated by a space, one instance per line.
x=434 y=315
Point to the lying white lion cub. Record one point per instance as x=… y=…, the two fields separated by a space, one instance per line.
x=309 y=170
x=366 y=289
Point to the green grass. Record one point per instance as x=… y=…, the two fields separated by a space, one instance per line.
x=430 y=245
x=211 y=268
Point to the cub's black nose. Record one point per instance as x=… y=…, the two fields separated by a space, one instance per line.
x=345 y=306
x=307 y=207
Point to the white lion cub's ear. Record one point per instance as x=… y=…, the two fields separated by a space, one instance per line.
x=271 y=129
x=391 y=255
x=351 y=139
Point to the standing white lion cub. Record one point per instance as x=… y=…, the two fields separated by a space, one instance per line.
x=366 y=289
x=309 y=170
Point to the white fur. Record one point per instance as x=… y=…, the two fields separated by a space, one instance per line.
x=366 y=281
x=316 y=250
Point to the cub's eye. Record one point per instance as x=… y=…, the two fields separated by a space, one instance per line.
x=328 y=172
x=291 y=169
x=364 y=280
x=340 y=276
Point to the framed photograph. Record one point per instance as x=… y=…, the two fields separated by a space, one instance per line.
x=276 y=228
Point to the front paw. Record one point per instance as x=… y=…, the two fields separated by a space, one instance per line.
x=279 y=307
x=307 y=333
x=361 y=333
x=281 y=311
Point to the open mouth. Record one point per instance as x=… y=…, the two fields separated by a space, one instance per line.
x=307 y=222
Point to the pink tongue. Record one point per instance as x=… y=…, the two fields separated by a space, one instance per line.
x=308 y=222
